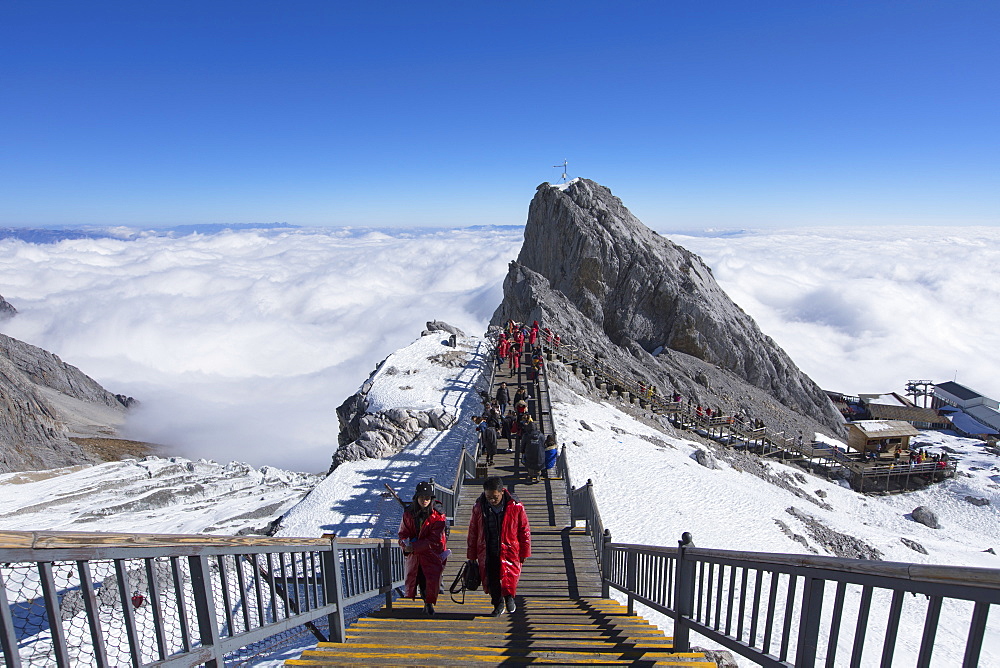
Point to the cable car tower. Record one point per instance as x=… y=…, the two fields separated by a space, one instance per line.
x=564 y=164
x=920 y=388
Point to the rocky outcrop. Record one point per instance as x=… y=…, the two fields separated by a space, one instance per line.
x=652 y=310
x=391 y=407
x=6 y=310
x=438 y=326
x=44 y=402
x=386 y=433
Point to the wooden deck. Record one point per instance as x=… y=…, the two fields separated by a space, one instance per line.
x=560 y=617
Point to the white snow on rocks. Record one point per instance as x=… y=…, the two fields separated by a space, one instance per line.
x=426 y=376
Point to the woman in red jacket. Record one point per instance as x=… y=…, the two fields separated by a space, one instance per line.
x=422 y=537
x=500 y=540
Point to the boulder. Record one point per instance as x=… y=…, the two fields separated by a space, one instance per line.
x=706 y=459
x=925 y=516
x=438 y=326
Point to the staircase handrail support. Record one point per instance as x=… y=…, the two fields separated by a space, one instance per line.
x=265 y=585
x=700 y=599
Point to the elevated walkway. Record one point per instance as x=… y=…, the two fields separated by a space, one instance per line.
x=561 y=617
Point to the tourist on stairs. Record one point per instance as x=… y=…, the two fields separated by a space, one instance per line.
x=422 y=537
x=499 y=539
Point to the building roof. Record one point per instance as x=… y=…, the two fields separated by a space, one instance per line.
x=967 y=424
x=956 y=390
x=891 y=399
x=885 y=428
x=986 y=415
x=905 y=413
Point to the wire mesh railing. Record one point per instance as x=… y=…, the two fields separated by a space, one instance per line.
x=69 y=599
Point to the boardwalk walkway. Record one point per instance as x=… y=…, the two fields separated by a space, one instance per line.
x=560 y=618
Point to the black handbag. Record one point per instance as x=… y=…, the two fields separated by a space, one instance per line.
x=467 y=579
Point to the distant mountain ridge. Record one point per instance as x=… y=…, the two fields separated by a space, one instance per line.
x=44 y=403
x=592 y=271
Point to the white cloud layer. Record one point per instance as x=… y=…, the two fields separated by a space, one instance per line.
x=240 y=345
x=865 y=310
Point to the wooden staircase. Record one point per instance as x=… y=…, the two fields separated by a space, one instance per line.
x=561 y=618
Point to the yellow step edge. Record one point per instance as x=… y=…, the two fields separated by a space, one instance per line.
x=479 y=628
x=511 y=661
x=664 y=647
x=418 y=660
x=549 y=656
x=520 y=633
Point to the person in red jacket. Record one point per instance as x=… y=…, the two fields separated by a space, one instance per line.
x=422 y=537
x=500 y=540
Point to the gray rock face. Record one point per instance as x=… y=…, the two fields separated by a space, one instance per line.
x=836 y=543
x=6 y=310
x=438 y=326
x=365 y=435
x=386 y=433
x=913 y=545
x=925 y=516
x=651 y=309
x=35 y=426
x=977 y=500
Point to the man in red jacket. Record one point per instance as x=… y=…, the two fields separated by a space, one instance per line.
x=500 y=540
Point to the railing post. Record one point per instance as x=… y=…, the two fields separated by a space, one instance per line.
x=808 y=641
x=605 y=564
x=684 y=595
x=204 y=607
x=631 y=566
x=386 y=558
x=332 y=588
x=8 y=637
x=589 y=530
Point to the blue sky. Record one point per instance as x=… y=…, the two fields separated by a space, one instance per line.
x=696 y=114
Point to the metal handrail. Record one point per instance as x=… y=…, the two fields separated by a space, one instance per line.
x=68 y=598
x=774 y=608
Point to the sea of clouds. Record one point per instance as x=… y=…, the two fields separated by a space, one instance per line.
x=241 y=344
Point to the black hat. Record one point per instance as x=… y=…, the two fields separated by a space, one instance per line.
x=424 y=489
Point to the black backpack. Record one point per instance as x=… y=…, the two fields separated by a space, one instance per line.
x=467 y=580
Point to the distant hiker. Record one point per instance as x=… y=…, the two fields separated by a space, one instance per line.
x=503 y=398
x=422 y=537
x=533 y=334
x=508 y=425
x=503 y=349
x=499 y=539
x=533 y=450
x=551 y=454
x=488 y=438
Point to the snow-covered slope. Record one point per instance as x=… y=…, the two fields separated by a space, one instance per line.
x=151 y=495
x=651 y=488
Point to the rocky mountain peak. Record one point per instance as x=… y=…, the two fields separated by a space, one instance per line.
x=52 y=413
x=6 y=310
x=593 y=271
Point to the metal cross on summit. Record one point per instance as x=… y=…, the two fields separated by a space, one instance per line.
x=563 y=165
